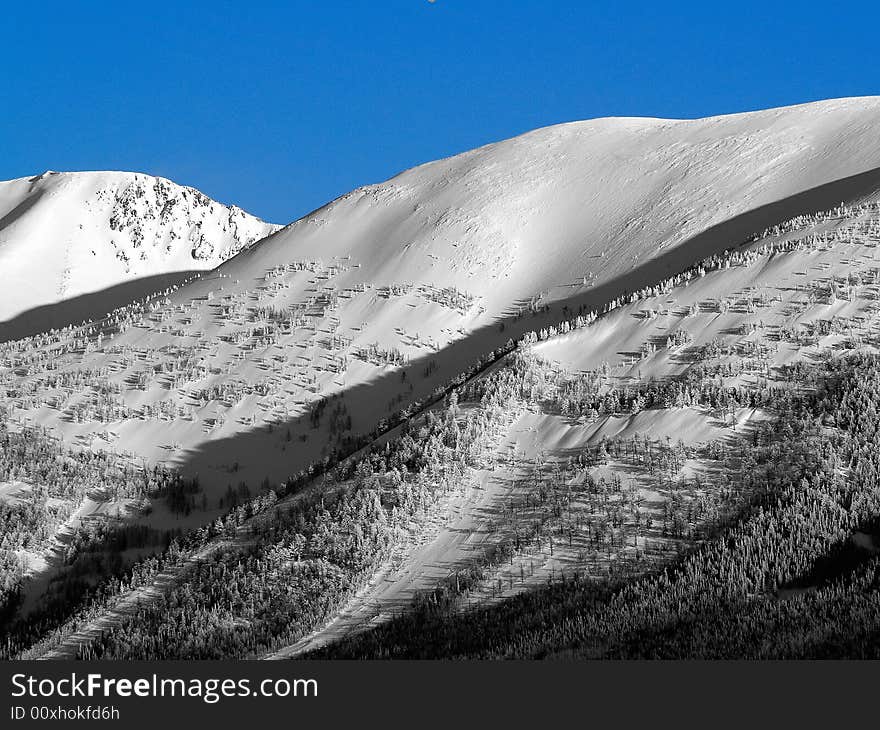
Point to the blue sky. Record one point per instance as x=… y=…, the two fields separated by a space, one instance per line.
x=280 y=107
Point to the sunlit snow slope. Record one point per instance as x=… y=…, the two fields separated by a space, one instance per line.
x=541 y=212
x=66 y=234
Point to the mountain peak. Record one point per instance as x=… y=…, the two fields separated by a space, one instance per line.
x=65 y=234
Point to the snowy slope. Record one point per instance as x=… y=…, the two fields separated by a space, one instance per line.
x=538 y=213
x=800 y=292
x=803 y=290
x=396 y=288
x=66 y=234
x=434 y=268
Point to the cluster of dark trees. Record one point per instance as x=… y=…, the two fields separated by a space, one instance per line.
x=794 y=574
x=449 y=297
x=55 y=480
x=377 y=355
x=587 y=394
x=99 y=559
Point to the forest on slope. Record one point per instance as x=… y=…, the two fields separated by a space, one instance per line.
x=795 y=574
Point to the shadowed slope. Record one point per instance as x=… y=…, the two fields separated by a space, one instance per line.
x=88 y=307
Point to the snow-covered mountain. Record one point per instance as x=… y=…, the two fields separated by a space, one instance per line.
x=285 y=352
x=433 y=269
x=71 y=233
